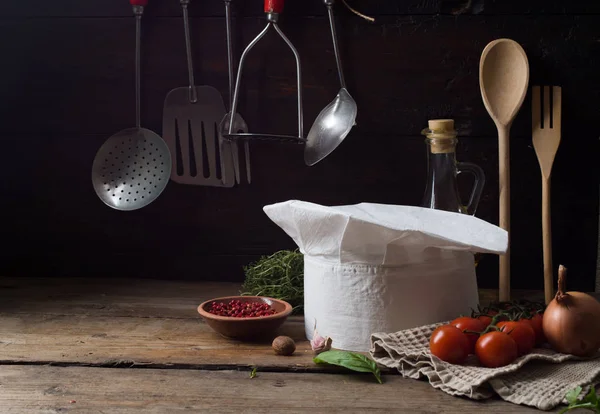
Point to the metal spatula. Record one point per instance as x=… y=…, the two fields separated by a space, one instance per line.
x=546 y=131
x=191 y=118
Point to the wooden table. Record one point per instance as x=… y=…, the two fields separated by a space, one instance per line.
x=139 y=346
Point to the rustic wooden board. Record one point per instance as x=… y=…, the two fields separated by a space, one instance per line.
x=412 y=74
x=137 y=341
x=133 y=323
x=61 y=228
x=90 y=331
x=72 y=8
x=25 y=390
x=129 y=323
x=68 y=85
x=122 y=298
x=108 y=297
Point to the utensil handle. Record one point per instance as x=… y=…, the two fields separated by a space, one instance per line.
x=138 y=10
x=504 y=176
x=229 y=49
x=547 y=241
x=478 y=185
x=336 y=47
x=274 y=6
x=188 y=50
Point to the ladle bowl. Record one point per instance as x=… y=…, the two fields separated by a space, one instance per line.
x=330 y=128
x=335 y=120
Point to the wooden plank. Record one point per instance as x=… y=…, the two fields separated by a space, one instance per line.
x=125 y=391
x=132 y=323
x=108 y=297
x=128 y=322
x=413 y=72
x=402 y=70
x=73 y=8
x=197 y=233
x=138 y=341
x=138 y=298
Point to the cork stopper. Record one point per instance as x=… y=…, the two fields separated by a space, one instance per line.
x=441 y=135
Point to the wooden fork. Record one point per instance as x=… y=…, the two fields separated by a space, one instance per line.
x=546 y=131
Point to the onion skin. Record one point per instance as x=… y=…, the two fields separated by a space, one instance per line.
x=571 y=322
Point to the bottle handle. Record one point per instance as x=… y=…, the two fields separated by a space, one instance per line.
x=479 y=175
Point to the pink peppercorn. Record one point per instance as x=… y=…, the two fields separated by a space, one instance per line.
x=238 y=309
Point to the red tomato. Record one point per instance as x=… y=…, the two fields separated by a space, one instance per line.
x=536 y=324
x=449 y=344
x=522 y=333
x=465 y=323
x=496 y=349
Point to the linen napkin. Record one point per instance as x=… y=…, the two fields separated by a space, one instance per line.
x=540 y=379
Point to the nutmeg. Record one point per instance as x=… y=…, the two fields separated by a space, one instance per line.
x=284 y=345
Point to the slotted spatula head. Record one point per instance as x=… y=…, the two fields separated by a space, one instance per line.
x=546 y=125
x=191 y=130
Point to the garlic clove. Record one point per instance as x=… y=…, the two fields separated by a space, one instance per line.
x=320 y=344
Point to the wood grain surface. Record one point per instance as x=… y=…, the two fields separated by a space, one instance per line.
x=26 y=390
x=214 y=8
x=148 y=323
x=66 y=85
x=126 y=322
x=131 y=346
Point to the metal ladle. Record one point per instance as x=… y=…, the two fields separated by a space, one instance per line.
x=132 y=168
x=337 y=119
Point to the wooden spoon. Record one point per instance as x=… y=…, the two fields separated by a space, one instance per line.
x=504 y=79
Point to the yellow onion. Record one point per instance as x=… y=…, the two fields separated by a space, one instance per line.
x=571 y=321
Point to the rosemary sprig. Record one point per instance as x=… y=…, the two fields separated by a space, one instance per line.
x=280 y=276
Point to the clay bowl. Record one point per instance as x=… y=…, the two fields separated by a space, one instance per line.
x=246 y=328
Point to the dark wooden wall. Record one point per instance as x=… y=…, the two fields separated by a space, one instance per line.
x=66 y=84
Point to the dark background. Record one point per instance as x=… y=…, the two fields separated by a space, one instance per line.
x=67 y=84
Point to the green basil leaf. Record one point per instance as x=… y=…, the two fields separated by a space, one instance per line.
x=573 y=394
x=349 y=360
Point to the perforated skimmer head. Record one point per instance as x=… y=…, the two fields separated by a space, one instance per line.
x=131 y=169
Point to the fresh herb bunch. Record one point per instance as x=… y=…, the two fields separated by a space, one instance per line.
x=279 y=276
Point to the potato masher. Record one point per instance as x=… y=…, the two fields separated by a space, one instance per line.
x=273 y=8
